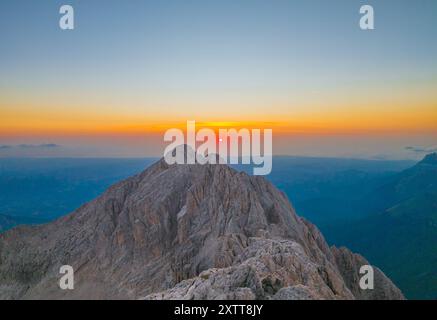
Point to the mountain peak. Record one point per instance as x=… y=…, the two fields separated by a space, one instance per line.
x=430 y=159
x=183 y=232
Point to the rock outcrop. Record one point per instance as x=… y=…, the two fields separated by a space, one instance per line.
x=183 y=232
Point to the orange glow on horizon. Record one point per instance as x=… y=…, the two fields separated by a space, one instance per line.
x=29 y=120
x=345 y=125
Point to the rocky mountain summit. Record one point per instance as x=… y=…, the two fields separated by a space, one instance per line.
x=183 y=232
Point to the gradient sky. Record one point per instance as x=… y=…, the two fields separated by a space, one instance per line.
x=131 y=69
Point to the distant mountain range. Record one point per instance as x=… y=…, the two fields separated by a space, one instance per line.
x=184 y=232
x=401 y=234
x=39 y=190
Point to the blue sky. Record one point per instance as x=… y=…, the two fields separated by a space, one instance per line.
x=239 y=59
x=235 y=40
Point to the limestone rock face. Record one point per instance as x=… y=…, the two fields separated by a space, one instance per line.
x=183 y=232
x=349 y=265
x=266 y=269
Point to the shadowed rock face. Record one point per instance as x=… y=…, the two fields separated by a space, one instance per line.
x=183 y=231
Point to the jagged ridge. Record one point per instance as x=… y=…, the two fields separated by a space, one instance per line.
x=183 y=231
